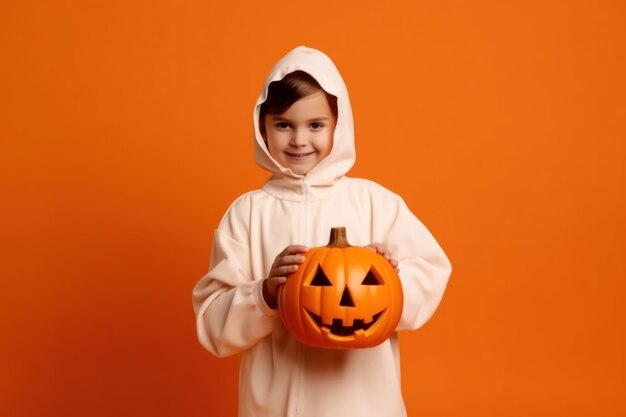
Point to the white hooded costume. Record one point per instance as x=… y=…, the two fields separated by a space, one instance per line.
x=279 y=376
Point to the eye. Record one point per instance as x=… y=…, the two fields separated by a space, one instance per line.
x=316 y=125
x=282 y=125
x=320 y=279
x=371 y=279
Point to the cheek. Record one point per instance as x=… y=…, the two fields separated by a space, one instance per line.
x=325 y=145
x=274 y=143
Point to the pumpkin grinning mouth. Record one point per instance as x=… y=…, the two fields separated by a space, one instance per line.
x=337 y=328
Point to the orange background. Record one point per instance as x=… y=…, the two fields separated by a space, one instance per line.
x=126 y=133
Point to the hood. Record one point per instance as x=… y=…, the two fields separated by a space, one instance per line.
x=342 y=155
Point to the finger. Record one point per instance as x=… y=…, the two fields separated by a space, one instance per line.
x=282 y=271
x=371 y=247
x=377 y=247
x=276 y=282
x=294 y=249
x=288 y=260
x=382 y=250
x=291 y=259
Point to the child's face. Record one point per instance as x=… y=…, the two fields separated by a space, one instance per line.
x=303 y=135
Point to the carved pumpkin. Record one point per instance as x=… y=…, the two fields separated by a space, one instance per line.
x=342 y=296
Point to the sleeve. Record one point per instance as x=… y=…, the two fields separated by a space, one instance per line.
x=424 y=268
x=231 y=315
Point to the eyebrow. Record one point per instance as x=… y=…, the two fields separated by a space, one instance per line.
x=277 y=117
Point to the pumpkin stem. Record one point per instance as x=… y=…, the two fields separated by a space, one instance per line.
x=338 y=238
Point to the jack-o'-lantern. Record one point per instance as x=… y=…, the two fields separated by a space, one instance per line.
x=342 y=296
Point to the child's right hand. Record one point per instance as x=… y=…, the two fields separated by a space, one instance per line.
x=285 y=263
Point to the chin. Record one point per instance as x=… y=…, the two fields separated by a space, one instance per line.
x=299 y=170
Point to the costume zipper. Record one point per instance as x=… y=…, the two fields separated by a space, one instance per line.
x=307 y=242
x=307 y=203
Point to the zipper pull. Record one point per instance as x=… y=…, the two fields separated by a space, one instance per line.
x=307 y=186
x=307 y=200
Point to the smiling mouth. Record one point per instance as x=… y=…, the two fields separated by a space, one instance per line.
x=337 y=328
x=298 y=155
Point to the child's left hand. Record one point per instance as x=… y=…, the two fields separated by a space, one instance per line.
x=382 y=250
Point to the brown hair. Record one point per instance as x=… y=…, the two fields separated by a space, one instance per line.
x=282 y=94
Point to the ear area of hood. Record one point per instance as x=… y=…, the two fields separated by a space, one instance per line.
x=342 y=157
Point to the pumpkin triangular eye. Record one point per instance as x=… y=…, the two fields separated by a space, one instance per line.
x=320 y=279
x=371 y=279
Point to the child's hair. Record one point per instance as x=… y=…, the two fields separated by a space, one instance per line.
x=282 y=94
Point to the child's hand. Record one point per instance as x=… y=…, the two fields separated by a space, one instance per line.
x=285 y=263
x=382 y=250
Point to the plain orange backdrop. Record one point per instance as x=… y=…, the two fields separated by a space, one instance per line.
x=126 y=132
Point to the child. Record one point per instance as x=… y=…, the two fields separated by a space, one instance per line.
x=304 y=138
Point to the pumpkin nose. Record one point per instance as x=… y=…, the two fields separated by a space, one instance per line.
x=346 y=299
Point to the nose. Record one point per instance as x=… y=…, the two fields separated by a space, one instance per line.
x=346 y=299
x=298 y=138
